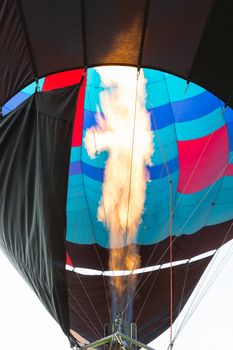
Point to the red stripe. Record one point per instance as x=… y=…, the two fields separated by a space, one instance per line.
x=211 y=153
x=78 y=121
x=62 y=79
x=59 y=80
x=68 y=259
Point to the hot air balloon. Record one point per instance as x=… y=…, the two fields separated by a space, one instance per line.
x=56 y=148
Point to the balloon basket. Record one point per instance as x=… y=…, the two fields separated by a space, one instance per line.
x=119 y=335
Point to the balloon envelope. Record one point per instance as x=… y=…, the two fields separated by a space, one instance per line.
x=192 y=149
x=50 y=187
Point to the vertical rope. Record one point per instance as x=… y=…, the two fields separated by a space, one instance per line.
x=132 y=155
x=129 y=192
x=88 y=207
x=171 y=272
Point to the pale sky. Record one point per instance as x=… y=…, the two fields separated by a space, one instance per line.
x=26 y=325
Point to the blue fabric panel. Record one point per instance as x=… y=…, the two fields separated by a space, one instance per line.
x=21 y=97
x=165 y=148
x=228 y=116
x=75 y=168
x=179 y=90
x=14 y=102
x=30 y=89
x=178 y=113
x=96 y=173
x=165 y=145
x=223 y=205
x=75 y=154
x=200 y=127
x=230 y=157
x=195 y=107
x=93 y=172
x=161 y=117
x=161 y=170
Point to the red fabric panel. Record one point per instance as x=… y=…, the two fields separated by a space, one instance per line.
x=202 y=160
x=60 y=80
x=229 y=170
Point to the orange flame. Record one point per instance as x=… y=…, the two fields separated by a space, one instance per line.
x=125 y=133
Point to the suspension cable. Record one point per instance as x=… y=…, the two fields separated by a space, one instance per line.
x=88 y=297
x=93 y=230
x=89 y=323
x=182 y=294
x=130 y=181
x=171 y=272
x=169 y=179
x=199 y=295
x=132 y=153
x=191 y=214
x=167 y=170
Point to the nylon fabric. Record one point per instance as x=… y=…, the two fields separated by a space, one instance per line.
x=184 y=247
x=35 y=142
x=187 y=38
x=152 y=294
x=192 y=147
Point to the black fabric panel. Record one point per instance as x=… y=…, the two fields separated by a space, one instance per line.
x=55 y=33
x=213 y=66
x=113 y=31
x=15 y=64
x=151 y=308
x=173 y=33
x=184 y=247
x=35 y=143
x=189 y=38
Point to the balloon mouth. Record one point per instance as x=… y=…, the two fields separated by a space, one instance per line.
x=121 y=326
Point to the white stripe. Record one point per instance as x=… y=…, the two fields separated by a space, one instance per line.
x=91 y=272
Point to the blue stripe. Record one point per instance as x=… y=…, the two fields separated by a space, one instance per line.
x=14 y=102
x=201 y=127
x=162 y=170
x=21 y=96
x=181 y=111
x=95 y=173
x=75 y=168
x=195 y=107
x=230 y=135
x=89 y=119
x=161 y=117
